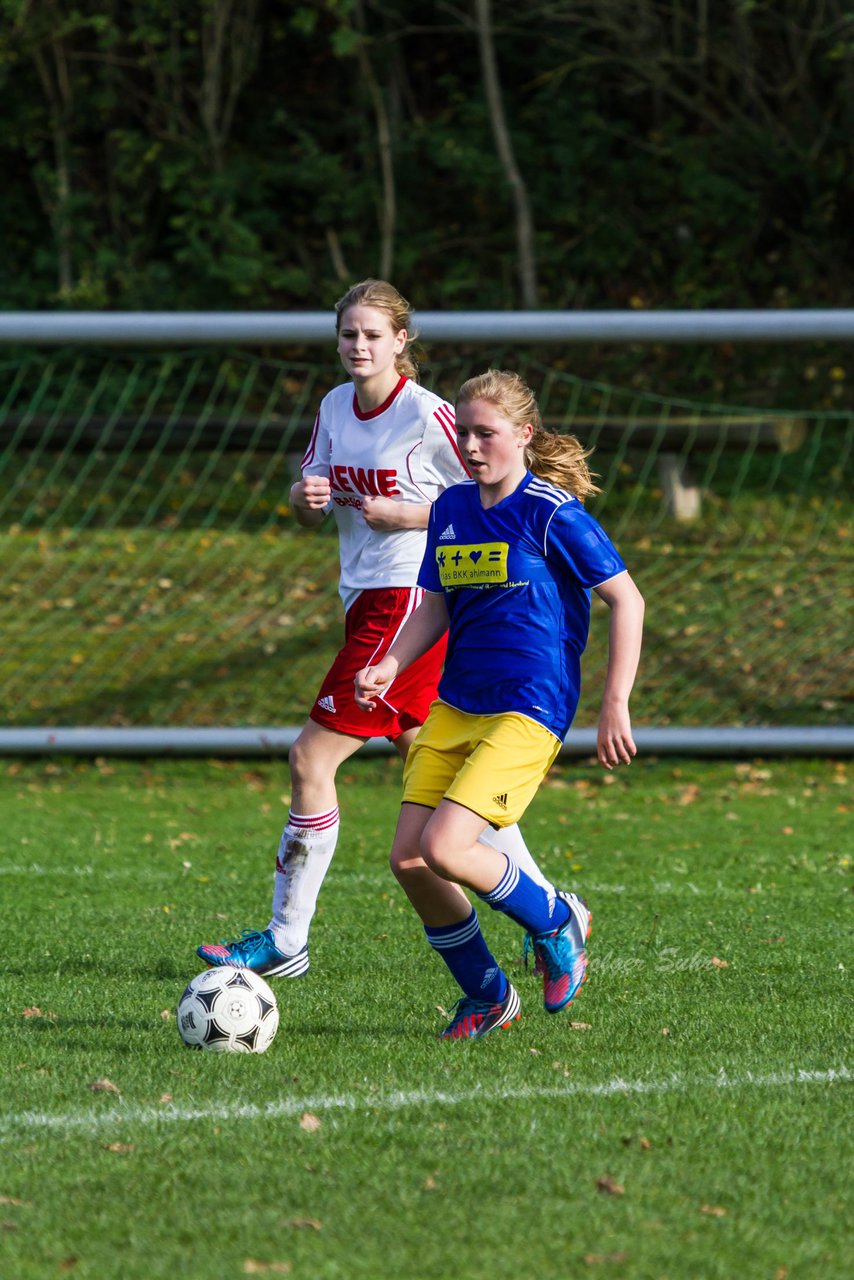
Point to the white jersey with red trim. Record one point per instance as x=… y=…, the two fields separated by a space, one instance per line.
x=407 y=450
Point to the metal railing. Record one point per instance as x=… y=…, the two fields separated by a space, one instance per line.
x=160 y=328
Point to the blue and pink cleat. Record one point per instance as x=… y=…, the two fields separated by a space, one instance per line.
x=561 y=957
x=255 y=950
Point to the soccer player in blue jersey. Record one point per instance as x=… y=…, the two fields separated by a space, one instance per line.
x=511 y=558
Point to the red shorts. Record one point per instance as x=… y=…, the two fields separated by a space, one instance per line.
x=371 y=624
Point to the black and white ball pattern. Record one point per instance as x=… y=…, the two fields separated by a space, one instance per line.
x=229 y=1011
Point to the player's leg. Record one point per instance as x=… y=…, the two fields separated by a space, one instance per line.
x=336 y=729
x=557 y=924
x=305 y=851
x=453 y=931
x=310 y=836
x=475 y=772
x=507 y=840
x=505 y=759
x=510 y=840
x=451 y=847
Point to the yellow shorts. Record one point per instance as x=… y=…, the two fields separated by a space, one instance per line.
x=492 y=765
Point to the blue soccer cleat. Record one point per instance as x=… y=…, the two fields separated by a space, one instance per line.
x=257 y=951
x=475 y=1018
x=560 y=956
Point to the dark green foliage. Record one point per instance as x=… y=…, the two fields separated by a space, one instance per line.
x=218 y=155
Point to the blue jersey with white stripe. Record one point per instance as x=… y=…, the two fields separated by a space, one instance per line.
x=517 y=580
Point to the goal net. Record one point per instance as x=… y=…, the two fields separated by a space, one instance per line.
x=150 y=573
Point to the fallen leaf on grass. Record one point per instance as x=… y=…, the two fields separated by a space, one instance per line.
x=119 y=1148
x=103 y=1086
x=15 y=1201
x=35 y=1012
x=252 y=1267
x=609 y=1187
x=68 y=1264
x=581 y=1026
x=719 y=964
x=429 y=1183
x=305 y=1224
x=309 y=1122
x=164 y=1098
x=714 y=1210
x=596 y=1259
x=166 y=1014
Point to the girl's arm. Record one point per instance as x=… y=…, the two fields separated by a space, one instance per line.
x=614 y=742
x=384 y=515
x=419 y=633
x=310 y=497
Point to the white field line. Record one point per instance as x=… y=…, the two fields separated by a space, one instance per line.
x=285 y=1108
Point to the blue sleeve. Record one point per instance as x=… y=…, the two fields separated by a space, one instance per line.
x=576 y=543
x=428 y=574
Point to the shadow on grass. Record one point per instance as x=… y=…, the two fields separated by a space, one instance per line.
x=65 y=1031
x=48 y=968
x=339 y=1031
x=159 y=699
x=234 y=688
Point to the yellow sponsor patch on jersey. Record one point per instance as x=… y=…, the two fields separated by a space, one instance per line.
x=475 y=564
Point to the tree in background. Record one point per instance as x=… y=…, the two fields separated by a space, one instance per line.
x=565 y=153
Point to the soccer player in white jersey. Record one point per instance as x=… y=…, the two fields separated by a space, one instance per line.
x=382 y=449
x=510 y=561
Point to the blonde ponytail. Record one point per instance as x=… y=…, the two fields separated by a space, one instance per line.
x=561 y=460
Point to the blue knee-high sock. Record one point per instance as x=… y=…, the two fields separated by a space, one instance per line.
x=535 y=907
x=472 y=964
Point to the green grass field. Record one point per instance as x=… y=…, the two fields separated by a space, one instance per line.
x=687 y=1118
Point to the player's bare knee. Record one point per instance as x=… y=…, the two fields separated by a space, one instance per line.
x=305 y=765
x=438 y=857
x=396 y=860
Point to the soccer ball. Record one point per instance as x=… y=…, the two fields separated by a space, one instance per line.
x=228 y=1010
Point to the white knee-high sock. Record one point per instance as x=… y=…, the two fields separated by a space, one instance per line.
x=509 y=840
x=305 y=852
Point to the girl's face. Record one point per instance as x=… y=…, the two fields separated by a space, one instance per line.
x=492 y=446
x=367 y=343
